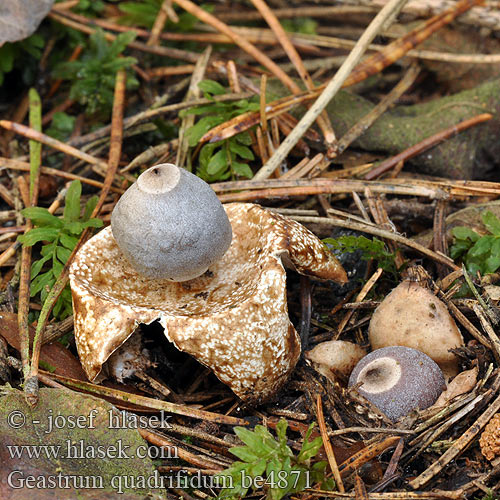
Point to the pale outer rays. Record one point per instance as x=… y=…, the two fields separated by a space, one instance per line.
x=233 y=319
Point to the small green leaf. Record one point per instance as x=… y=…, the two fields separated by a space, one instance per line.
x=244 y=453
x=244 y=138
x=49 y=248
x=491 y=222
x=57 y=268
x=89 y=207
x=212 y=87
x=464 y=233
x=482 y=246
x=74 y=227
x=217 y=163
x=255 y=439
x=41 y=217
x=200 y=128
x=68 y=241
x=491 y=264
x=242 y=169
x=495 y=248
x=241 y=150
x=63 y=254
x=459 y=248
x=72 y=205
x=257 y=468
x=41 y=282
x=36 y=267
x=38 y=234
x=92 y=223
x=206 y=153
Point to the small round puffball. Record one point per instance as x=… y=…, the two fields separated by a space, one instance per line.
x=412 y=316
x=170 y=224
x=335 y=358
x=398 y=380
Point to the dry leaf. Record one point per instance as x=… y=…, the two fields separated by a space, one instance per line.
x=55 y=355
x=462 y=383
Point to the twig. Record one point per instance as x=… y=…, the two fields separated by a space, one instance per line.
x=259 y=56
x=331 y=89
x=366 y=121
x=60 y=284
x=426 y=144
x=75 y=21
x=309 y=11
x=162 y=441
x=388 y=55
x=161 y=19
x=487 y=16
x=357 y=226
x=463 y=320
x=361 y=295
x=398 y=495
x=366 y=454
x=6 y=195
x=273 y=188
x=328 y=445
x=458 y=446
x=396 y=49
x=145 y=401
x=36 y=135
x=23 y=166
x=25 y=275
x=495 y=341
x=9 y=252
x=433 y=435
x=439 y=230
x=271 y=19
x=154 y=112
x=192 y=94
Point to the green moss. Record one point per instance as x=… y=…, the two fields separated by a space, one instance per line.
x=468 y=155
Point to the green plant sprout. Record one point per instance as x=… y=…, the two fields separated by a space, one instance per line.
x=13 y=54
x=304 y=25
x=59 y=237
x=479 y=253
x=144 y=14
x=90 y=7
x=93 y=76
x=370 y=249
x=269 y=463
x=61 y=126
x=223 y=159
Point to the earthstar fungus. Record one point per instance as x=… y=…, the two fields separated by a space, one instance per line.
x=232 y=319
x=398 y=379
x=170 y=224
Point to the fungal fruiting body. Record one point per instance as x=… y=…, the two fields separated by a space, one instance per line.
x=233 y=319
x=397 y=380
x=335 y=359
x=413 y=316
x=170 y=224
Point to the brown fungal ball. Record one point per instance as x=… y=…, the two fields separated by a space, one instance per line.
x=170 y=224
x=413 y=316
x=335 y=358
x=398 y=380
x=490 y=438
